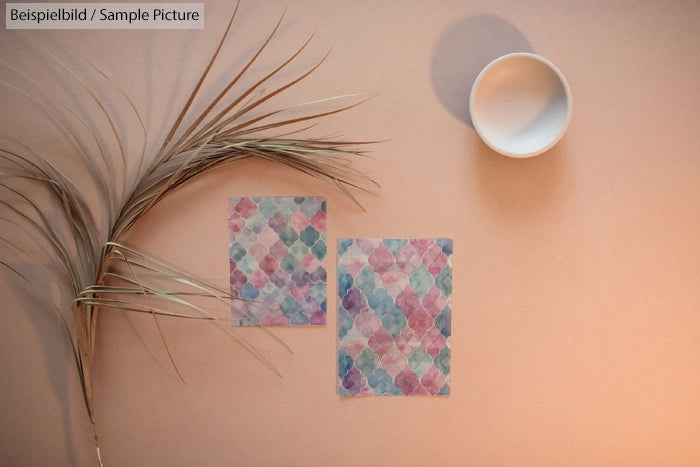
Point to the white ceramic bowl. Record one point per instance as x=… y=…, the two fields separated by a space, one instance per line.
x=520 y=105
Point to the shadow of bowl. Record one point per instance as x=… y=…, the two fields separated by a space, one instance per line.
x=463 y=50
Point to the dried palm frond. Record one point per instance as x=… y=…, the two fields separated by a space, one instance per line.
x=88 y=245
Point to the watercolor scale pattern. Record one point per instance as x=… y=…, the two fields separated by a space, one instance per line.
x=277 y=255
x=394 y=316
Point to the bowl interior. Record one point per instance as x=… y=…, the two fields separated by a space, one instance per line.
x=520 y=105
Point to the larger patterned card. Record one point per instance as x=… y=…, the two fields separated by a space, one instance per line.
x=394 y=316
x=277 y=253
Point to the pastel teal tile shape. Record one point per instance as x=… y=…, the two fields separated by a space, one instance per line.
x=394 y=316
x=277 y=257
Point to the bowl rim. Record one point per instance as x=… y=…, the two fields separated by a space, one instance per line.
x=560 y=76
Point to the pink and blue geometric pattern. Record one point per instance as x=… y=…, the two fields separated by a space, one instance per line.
x=277 y=253
x=394 y=316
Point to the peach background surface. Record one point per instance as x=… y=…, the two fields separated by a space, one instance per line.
x=576 y=303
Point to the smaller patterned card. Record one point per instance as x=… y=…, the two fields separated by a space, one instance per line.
x=277 y=253
x=394 y=316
